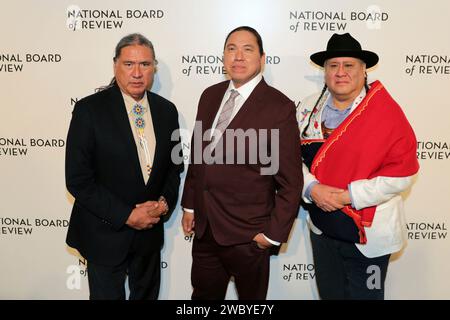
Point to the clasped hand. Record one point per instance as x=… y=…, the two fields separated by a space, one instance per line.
x=329 y=198
x=146 y=214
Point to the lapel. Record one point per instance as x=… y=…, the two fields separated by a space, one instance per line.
x=213 y=105
x=119 y=113
x=158 y=127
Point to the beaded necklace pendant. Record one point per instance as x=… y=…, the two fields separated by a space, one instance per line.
x=139 y=121
x=138 y=110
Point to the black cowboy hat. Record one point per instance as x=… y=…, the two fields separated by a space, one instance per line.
x=344 y=45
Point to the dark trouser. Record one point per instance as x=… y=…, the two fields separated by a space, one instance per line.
x=213 y=265
x=144 y=276
x=343 y=272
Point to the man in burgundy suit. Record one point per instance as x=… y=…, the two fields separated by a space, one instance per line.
x=241 y=193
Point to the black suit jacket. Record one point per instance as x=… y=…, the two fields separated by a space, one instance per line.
x=235 y=199
x=104 y=176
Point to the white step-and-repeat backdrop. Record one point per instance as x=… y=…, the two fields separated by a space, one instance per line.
x=55 y=52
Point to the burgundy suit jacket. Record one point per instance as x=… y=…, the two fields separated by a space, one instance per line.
x=235 y=199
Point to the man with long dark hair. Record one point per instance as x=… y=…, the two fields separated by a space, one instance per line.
x=120 y=172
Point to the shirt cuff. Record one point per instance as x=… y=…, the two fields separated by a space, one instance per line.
x=308 y=190
x=351 y=197
x=188 y=210
x=275 y=243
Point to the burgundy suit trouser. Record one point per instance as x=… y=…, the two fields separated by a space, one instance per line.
x=213 y=265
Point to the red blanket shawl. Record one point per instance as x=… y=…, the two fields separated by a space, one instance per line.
x=376 y=139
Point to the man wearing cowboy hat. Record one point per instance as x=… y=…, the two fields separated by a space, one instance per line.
x=359 y=155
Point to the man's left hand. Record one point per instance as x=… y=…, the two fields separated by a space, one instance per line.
x=154 y=208
x=343 y=198
x=261 y=241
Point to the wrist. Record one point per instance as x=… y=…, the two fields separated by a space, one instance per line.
x=163 y=201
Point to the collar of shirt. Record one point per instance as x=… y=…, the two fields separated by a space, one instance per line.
x=245 y=90
x=130 y=102
x=333 y=116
